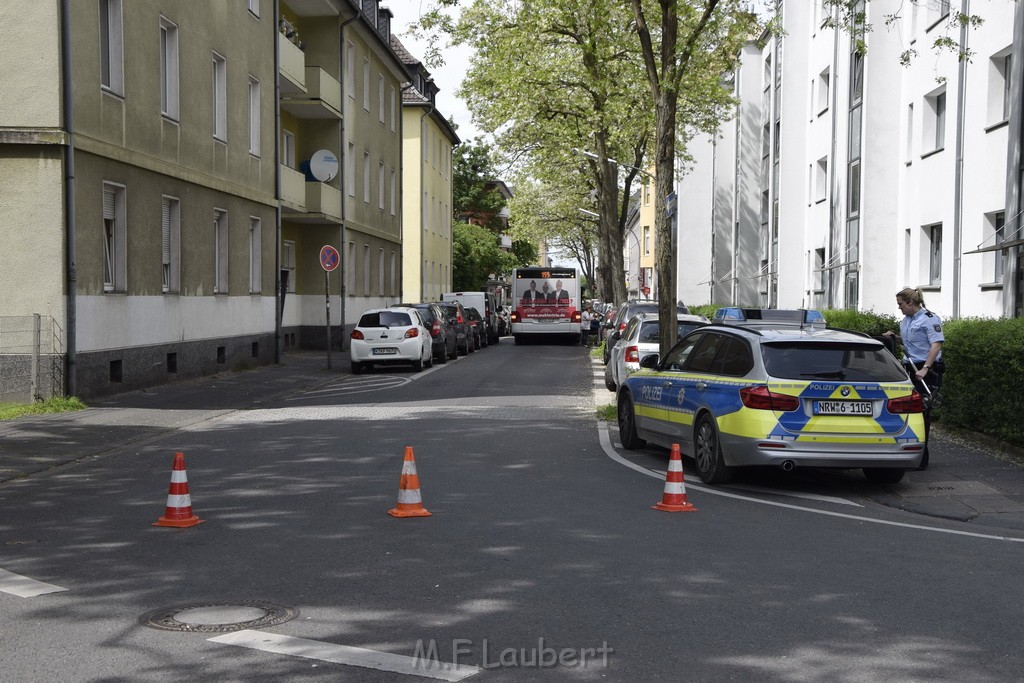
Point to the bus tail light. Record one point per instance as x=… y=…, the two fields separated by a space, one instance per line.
x=632 y=354
x=577 y=317
x=515 y=316
x=761 y=398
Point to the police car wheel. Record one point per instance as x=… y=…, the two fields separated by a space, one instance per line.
x=708 y=453
x=627 y=424
x=884 y=475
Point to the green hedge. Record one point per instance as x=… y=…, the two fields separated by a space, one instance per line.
x=984 y=362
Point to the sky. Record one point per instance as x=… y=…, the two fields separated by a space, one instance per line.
x=447 y=77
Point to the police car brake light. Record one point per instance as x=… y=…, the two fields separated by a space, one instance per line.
x=911 y=403
x=762 y=398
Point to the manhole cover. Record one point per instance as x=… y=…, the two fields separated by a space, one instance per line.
x=218 y=617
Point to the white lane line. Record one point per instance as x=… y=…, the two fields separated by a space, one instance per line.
x=343 y=654
x=606 y=444
x=24 y=587
x=796 y=494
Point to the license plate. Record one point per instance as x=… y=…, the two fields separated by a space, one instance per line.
x=842 y=408
x=385 y=351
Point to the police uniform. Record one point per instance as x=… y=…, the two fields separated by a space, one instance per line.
x=918 y=333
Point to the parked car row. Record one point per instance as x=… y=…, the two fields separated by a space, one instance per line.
x=775 y=387
x=416 y=334
x=614 y=327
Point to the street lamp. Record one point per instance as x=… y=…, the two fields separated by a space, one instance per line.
x=591 y=155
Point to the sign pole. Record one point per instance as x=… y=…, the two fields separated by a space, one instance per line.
x=327 y=297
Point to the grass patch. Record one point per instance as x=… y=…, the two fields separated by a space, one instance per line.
x=12 y=411
x=607 y=413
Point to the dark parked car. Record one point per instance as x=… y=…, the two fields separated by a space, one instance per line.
x=478 y=326
x=626 y=311
x=456 y=316
x=444 y=338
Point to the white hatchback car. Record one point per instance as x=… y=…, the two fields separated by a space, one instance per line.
x=390 y=336
x=639 y=339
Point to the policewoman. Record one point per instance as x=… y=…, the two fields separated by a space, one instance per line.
x=921 y=336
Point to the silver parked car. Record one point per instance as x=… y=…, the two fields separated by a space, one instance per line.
x=640 y=339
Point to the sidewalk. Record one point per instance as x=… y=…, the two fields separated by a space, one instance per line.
x=37 y=443
x=966 y=481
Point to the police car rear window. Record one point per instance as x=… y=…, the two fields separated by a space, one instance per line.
x=843 y=362
x=385 y=319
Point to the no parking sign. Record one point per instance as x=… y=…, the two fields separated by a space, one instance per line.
x=329 y=258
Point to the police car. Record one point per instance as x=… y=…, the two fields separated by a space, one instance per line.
x=771 y=387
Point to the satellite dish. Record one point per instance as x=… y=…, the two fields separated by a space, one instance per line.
x=323 y=165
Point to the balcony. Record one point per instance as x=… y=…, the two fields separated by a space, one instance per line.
x=293 y=190
x=320 y=100
x=323 y=199
x=293 y=66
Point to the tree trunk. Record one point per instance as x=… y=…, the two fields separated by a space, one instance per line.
x=664 y=160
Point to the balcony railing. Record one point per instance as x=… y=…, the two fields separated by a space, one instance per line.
x=324 y=199
x=322 y=99
x=293 y=66
x=293 y=190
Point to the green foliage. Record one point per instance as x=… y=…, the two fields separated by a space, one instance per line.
x=608 y=413
x=12 y=411
x=984 y=360
x=472 y=198
x=475 y=255
x=706 y=310
x=861 y=321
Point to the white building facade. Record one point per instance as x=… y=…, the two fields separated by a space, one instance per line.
x=846 y=176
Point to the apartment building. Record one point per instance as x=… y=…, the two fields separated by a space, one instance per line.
x=138 y=203
x=427 y=143
x=341 y=165
x=846 y=176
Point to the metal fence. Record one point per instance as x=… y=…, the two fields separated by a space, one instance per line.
x=31 y=358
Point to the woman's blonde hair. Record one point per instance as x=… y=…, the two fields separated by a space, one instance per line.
x=911 y=296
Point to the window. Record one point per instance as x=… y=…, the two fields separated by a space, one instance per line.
x=821 y=179
x=647 y=240
x=220 y=97
x=168 y=69
x=995 y=233
x=115 y=257
x=823 y=91
x=366 y=177
x=254 y=116
x=254 y=7
x=170 y=233
x=394 y=108
x=394 y=193
x=366 y=84
x=111 y=47
x=350 y=69
x=935 y=122
x=220 y=252
x=999 y=87
x=934 y=235
x=350 y=170
x=853 y=190
x=910 y=132
x=366 y=270
x=856 y=77
x=350 y=269
x=937 y=11
x=288 y=263
x=394 y=272
x=380 y=185
x=425 y=210
x=818 y=274
x=288 y=148
x=380 y=98
x=255 y=255
x=380 y=272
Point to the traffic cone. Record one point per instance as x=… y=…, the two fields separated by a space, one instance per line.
x=674 y=497
x=410 y=504
x=179 y=503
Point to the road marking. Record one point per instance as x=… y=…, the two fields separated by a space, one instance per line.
x=796 y=494
x=24 y=587
x=606 y=445
x=343 y=654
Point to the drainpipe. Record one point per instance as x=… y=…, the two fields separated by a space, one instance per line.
x=958 y=178
x=71 y=362
x=832 y=208
x=342 y=248
x=423 y=275
x=278 y=294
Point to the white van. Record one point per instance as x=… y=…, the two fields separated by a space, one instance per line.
x=484 y=303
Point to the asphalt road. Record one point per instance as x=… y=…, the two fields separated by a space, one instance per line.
x=541 y=544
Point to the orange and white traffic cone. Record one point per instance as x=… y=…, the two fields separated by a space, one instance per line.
x=674 y=497
x=410 y=504
x=179 y=503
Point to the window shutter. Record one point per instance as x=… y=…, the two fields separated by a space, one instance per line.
x=108 y=204
x=165 y=224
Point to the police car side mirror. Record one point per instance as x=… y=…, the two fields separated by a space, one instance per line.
x=650 y=361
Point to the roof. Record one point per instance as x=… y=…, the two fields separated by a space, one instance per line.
x=413 y=93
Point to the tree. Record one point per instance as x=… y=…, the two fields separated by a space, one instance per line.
x=686 y=45
x=551 y=75
x=473 y=196
x=475 y=255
